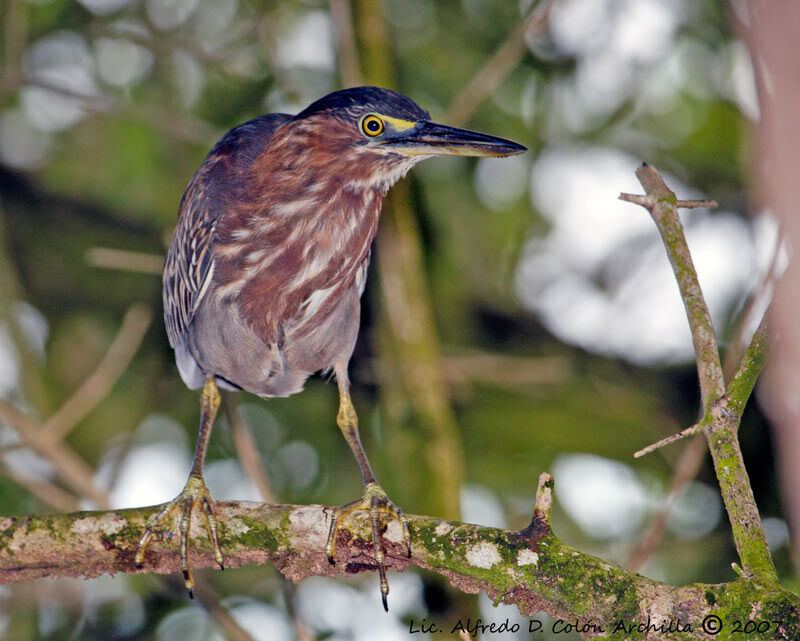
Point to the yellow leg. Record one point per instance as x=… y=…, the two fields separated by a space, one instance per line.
x=195 y=494
x=373 y=500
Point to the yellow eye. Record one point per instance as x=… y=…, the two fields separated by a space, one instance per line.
x=372 y=125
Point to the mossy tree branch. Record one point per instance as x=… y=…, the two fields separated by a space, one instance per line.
x=723 y=408
x=530 y=568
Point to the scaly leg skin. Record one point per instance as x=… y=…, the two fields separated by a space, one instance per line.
x=374 y=500
x=194 y=495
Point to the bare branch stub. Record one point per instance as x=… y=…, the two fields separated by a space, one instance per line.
x=544 y=494
x=539 y=527
x=673 y=438
x=697 y=204
x=637 y=199
x=648 y=202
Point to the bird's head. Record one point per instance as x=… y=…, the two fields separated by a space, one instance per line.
x=384 y=133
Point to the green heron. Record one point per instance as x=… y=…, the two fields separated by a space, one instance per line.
x=264 y=274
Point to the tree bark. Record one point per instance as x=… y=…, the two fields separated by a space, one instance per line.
x=531 y=568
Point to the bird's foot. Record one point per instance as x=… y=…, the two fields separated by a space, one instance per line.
x=194 y=494
x=375 y=501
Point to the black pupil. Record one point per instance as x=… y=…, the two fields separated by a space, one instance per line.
x=373 y=125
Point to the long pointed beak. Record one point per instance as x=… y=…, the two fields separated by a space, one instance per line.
x=431 y=139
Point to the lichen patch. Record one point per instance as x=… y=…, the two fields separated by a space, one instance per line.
x=237 y=527
x=483 y=555
x=527 y=557
x=394 y=531
x=107 y=524
x=443 y=528
x=305 y=521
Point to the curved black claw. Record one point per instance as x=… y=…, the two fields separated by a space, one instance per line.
x=195 y=494
x=375 y=501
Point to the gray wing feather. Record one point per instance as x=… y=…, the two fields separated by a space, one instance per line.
x=189 y=266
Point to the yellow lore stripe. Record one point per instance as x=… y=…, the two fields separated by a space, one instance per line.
x=398 y=124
